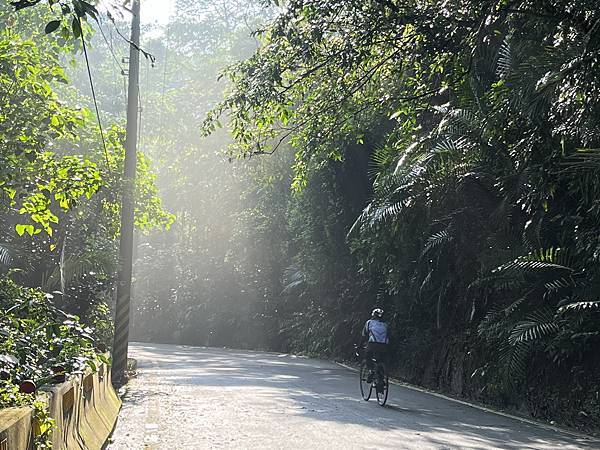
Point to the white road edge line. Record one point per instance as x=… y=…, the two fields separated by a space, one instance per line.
x=545 y=426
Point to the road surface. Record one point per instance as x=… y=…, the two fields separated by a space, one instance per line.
x=202 y=398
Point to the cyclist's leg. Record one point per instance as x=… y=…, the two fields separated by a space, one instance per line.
x=369 y=354
x=381 y=373
x=381 y=359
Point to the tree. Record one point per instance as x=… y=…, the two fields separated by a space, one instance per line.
x=58 y=179
x=481 y=119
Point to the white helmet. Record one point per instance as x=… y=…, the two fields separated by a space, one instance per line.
x=377 y=313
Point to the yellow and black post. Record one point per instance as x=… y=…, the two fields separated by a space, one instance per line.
x=121 y=339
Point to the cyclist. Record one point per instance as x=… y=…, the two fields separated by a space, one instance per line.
x=375 y=332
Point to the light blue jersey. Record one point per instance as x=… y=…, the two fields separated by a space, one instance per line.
x=377 y=331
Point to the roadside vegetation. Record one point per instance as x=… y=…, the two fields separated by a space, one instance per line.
x=59 y=209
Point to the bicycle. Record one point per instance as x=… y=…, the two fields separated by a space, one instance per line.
x=379 y=377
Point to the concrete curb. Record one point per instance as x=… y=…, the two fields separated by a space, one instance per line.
x=586 y=437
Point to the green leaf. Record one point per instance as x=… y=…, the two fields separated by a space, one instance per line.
x=52 y=26
x=76 y=25
x=20 y=229
x=92 y=365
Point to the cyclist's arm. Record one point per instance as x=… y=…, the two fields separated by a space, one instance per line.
x=365 y=333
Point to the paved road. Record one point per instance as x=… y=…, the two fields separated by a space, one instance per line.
x=200 y=398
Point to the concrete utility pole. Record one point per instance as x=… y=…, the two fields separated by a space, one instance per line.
x=121 y=340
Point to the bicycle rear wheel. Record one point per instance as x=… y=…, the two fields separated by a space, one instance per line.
x=365 y=388
x=383 y=394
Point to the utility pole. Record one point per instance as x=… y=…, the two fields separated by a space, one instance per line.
x=121 y=339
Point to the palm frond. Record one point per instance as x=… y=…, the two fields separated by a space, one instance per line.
x=359 y=222
x=381 y=159
x=387 y=186
x=514 y=359
x=498 y=283
x=514 y=306
x=451 y=146
x=460 y=122
x=505 y=59
x=560 y=284
x=497 y=321
x=537 y=326
x=526 y=265
x=386 y=212
x=580 y=306
x=74 y=268
x=426 y=282
x=293 y=278
x=406 y=157
x=391 y=195
x=412 y=167
x=586 y=335
x=583 y=159
x=5 y=256
x=437 y=239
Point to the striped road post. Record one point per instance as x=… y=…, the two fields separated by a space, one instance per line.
x=121 y=340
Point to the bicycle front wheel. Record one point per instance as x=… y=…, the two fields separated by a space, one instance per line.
x=365 y=387
x=382 y=394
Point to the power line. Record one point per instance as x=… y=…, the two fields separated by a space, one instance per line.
x=110 y=46
x=143 y=101
x=89 y=71
x=146 y=54
x=164 y=82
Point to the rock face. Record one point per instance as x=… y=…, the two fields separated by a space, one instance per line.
x=444 y=369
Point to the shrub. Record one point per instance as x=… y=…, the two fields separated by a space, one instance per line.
x=38 y=341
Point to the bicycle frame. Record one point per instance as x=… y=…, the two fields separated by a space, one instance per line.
x=378 y=370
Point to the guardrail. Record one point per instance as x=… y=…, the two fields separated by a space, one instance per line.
x=15 y=429
x=84 y=408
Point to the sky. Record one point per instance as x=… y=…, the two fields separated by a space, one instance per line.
x=152 y=11
x=156 y=11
